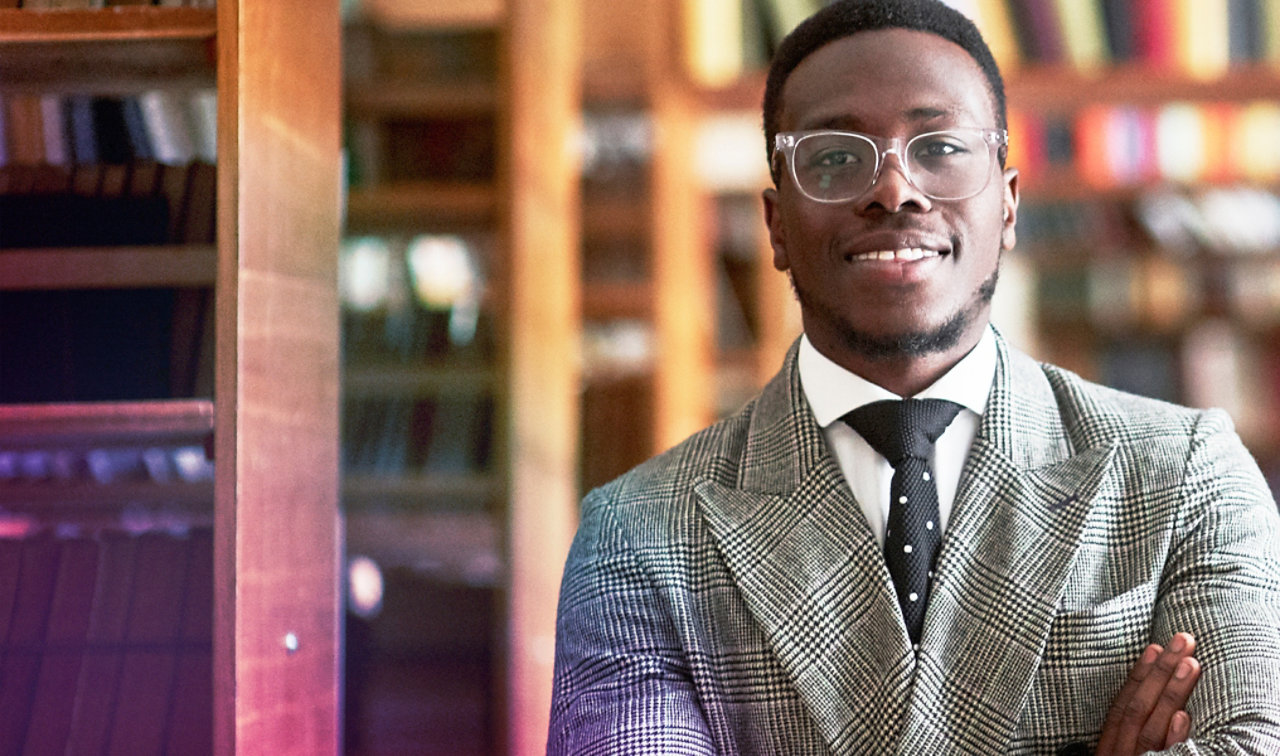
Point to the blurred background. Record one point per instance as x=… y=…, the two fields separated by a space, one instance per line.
x=1148 y=138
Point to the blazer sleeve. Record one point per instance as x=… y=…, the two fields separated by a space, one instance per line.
x=1222 y=584
x=622 y=683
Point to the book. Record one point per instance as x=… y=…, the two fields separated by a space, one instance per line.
x=1155 y=33
x=200 y=207
x=190 y=725
x=1203 y=37
x=57 y=137
x=24 y=119
x=54 y=699
x=1084 y=34
x=167 y=126
x=20 y=665
x=202 y=119
x=1269 y=14
x=80 y=124
x=994 y=20
x=151 y=644
x=99 y=682
x=1117 y=18
x=1245 y=31
x=1039 y=31
x=713 y=40
x=135 y=127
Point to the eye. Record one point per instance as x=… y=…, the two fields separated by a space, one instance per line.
x=835 y=158
x=938 y=147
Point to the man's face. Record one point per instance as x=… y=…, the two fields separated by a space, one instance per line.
x=858 y=306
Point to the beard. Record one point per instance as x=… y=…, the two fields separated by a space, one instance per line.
x=912 y=343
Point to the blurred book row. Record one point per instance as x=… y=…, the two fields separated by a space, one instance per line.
x=169 y=127
x=413 y=299
x=107 y=638
x=1198 y=37
x=1201 y=38
x=394 y=436
x=1159 y=262
x=1119 y=145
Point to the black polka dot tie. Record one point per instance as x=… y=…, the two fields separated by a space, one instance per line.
x=904 y=433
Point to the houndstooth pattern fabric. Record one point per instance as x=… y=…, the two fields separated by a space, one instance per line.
x=904 y=432
x=728 y=597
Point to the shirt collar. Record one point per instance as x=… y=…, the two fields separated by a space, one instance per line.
x=833 y=391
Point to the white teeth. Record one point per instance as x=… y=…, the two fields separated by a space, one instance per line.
x=909 y=254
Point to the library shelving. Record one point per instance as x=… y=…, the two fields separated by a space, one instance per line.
x=163 y=311
x=460 y=360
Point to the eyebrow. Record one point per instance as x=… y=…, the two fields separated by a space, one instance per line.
x=846 y=122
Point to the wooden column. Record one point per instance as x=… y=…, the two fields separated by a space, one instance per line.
x=684 y=285
x=543 y=345
x=276 y=648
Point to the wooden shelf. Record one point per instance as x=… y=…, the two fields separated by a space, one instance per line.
x=119 y=50
x=402 y=380
x=612 y=218
x=439 y=491
x=423 y=205
x=93 y=424
x=608 y=300
x=437 y=14
x=1065 y=90
x=109 y=267
x=420 y=100
x=451 y=546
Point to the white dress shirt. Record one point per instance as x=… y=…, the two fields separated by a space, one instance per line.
x=833 y=392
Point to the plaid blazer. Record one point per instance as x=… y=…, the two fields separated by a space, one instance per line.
x=728 y=597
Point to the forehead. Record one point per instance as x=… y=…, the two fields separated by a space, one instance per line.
x=878 y=81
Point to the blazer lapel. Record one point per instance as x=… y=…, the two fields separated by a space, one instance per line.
x=1023 y=501
x=809 y=569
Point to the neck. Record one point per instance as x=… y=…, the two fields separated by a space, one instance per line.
x=905 y=374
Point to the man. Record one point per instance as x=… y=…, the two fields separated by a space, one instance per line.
x=1052 y=556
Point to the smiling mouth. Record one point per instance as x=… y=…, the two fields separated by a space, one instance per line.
x=908 y=254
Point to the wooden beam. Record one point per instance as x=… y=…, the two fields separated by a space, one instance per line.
x=542 y=70
x=277 y=545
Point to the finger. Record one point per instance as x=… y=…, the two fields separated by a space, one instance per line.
x=1142 y=705
x=1171 y=702
x=1115 y=715
x=1179 y=729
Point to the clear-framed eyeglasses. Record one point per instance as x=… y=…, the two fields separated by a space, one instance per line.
x=838 y=166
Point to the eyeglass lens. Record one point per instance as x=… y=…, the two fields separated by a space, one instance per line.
x=942 y=165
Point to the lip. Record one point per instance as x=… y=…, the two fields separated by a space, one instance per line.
x=896 y=259
x=895 y=248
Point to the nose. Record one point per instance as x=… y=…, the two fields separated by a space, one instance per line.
x=890 y=190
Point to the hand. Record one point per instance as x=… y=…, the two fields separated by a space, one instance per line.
x=1147 y=714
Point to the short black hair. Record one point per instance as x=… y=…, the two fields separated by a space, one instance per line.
x=844 y=18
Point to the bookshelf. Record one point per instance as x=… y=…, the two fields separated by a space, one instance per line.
x=1149 y=176
x=648 y=297
x=113 y=465
x=460 y=290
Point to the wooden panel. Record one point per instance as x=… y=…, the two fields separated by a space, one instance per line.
x=276 y=639
x=435 y=14
x=124 y=50
x=684 y=280
x=543 y=64
x=109 y=268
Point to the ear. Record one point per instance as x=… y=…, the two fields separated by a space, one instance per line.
x=1008 y=233
x=777 y=239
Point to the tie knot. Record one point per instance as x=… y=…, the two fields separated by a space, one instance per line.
x=899 y=429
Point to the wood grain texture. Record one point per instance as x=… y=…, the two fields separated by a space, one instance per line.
x=544 y=52
x=277 y=541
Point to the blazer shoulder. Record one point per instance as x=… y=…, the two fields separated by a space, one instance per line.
x=1095 y=414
